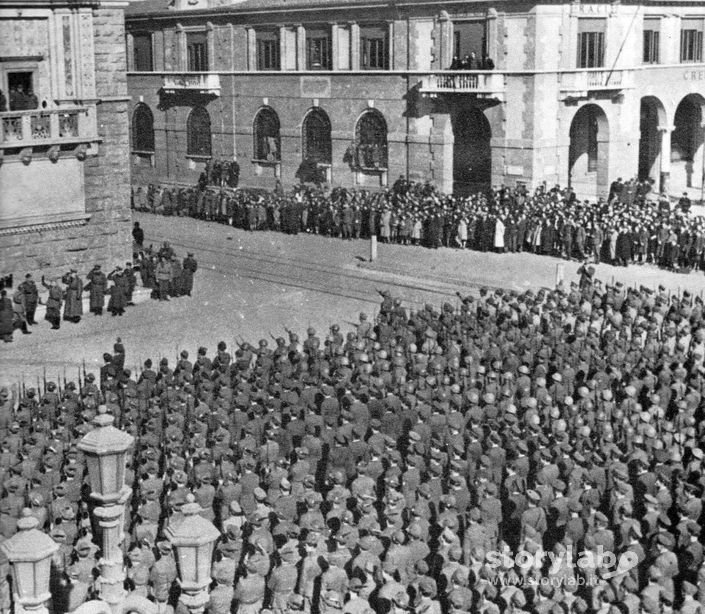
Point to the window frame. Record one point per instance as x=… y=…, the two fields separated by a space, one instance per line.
x=135 y=37
x=321 y=38
x=317 y=114
x=258 y=146
x=651 y=47
x=267 y=50
x=377 y=35
x=590 y=45
x=142 y=108
x=383 y=142
x=193 y=139
x=691 y=51
x=194 y=60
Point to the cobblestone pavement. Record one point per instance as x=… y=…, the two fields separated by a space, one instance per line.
x=251 y=285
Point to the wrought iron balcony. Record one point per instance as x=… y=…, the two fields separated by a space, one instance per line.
x=201 y=83
x=483 y=84
x=580 y=83
x=40 y=127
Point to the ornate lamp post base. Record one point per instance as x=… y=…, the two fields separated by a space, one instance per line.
x=196 y=602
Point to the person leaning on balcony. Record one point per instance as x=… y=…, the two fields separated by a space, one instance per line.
x=487 y=62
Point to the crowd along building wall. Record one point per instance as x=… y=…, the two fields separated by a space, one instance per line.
x=64 y=137
x=578 y=93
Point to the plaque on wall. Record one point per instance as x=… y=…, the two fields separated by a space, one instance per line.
x=315 y=87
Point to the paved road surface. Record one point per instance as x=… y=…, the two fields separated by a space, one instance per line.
x=252 y=284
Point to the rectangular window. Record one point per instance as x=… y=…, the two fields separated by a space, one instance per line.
x=318 y=50
x=374 y=48
x=692 y=40
x=591 y=43
x=469 y=43
x=142 y=52
x=197 y=51
x=651 y=46
x=267 y=50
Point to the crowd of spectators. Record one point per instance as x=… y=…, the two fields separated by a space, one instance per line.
x=482 y=457
x=632 y=226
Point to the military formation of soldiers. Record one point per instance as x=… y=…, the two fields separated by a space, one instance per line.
x=536 y=452
x=633 y=225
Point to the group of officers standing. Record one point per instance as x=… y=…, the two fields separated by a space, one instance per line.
x=159 y=270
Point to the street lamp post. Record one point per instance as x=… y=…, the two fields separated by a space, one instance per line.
x=105 y=448
x=29 y=552
x=193 y=539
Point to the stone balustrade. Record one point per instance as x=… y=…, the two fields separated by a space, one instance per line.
x=47 y=127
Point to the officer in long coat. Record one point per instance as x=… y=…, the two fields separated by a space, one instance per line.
x=54 y=301
x=97 y=285
x=31 y=297
x=73 y=307
x=190 y=266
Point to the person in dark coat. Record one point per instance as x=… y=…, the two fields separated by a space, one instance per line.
x=6 y=317
x=130 y=282
x=31 y=297
x=189 y=269
x=176 y=273
x=98 y=286
x=624 y=247
x=73 y=307
x=118 y=300
x=56 y=297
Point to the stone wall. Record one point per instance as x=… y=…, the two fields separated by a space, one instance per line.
x=103 y=235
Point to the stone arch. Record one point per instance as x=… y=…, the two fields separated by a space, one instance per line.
x=142 y=128
x=266 y=135
x=687 y=143
x=652 y=124
x=588 y=155
x=316 y=136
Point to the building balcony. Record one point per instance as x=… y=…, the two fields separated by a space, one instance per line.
x=200 y=83
x=482 y=84
x=48 y=127
x=579 y=84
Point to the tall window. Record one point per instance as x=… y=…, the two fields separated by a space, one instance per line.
x=267 y=50
x=652 y=40
x=591 y=43
x=142 y=129
x=197 y=51
x=374 y=47
x=266 y=136
x=317 y=140
x=198 y=133
x=318 y=49
x=142 y=52
x=371 y=141
x=469 y=39
x=692 y=40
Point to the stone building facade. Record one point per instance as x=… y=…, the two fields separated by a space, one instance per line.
x=64 y=137
x=576 y=93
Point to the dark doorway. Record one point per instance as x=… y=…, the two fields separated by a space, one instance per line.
x=472 y=153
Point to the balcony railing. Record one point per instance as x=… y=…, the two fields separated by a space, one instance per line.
x=203 y=83
x=484 y=84
x=48 y=127
x=579 y=83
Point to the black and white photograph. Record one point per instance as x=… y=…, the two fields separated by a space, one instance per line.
x=352 y=307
